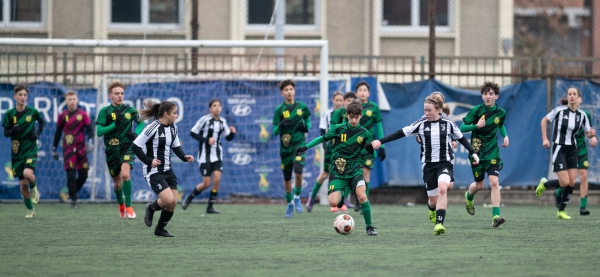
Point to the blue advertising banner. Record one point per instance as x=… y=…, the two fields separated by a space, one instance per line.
x=525 y=160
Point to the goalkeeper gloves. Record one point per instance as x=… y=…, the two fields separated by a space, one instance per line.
x=381 y=154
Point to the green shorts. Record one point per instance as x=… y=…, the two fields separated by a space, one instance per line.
x=582 y=162
x=19 y=165
x=291 y=163
x=345 y=185
x=118 y=155
x=491 y=167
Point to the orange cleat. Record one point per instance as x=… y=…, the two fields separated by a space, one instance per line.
x=122 y=211
x=334 y=209
x=130 y=213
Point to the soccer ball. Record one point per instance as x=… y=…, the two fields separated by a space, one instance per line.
x=343 y=224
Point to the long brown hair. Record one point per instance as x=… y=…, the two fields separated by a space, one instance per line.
x=155 y=110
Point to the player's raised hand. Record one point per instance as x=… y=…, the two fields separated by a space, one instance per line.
x=481 y=122
x=211 y=141
x=546 y=143
x=155 y=163
x=476 y=158
x=232 y=129
x=189 y=158
x=505 y=143
x=376 y=144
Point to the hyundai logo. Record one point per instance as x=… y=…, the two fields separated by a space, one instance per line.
x=241 y=159
x=144 y=195
x=241 y=110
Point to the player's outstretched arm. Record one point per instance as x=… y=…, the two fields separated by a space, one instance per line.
x=181 y=155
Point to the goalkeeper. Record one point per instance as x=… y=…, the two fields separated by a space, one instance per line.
x=73 y=121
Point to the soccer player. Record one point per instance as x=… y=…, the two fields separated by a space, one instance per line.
x=153 y=147
x=568 y=120
x=19 y=125
x=208 y=131
x=346 y=170
x=337 y=100
x=483 y=121
x=371 y=120
x=114 y=123
x=436 y=156
x=73 y=121
x=291 y=121
x=582 y=166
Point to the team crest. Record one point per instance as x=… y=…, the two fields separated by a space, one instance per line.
x=29 y=161
x=368 y=162
x=585 y=163
x=340 y=165
x=69 y=139
x=126 y=158
x=298 y=158
x=282 y=166
x=15 y=146
x=127 y=116
x=476 y=174
x=369 y=113
x=359 y=139
x=28 y=118
x=494 y=161
x=299 y=112
x=497 y=120
x=443 y=126
x=79 y=117
x=286 y=140
x=577 y=118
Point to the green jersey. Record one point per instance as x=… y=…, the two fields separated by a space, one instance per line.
x=290 y=137
x=348 y=142
x=580 y=137
x=371 y=115
x=338 y=116
x=484 y=140
x=23 y=146
x=117 y=136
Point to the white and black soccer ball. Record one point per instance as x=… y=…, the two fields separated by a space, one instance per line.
x=343 y=224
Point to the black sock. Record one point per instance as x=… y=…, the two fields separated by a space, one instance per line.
x=565 y=198
x=82 y=176
x=164 y=219
x=552 y=184
x=196 y=192
x=154 y=206
x=71 y=184
x=430 y=207
x=212 y=198
x=440 y=215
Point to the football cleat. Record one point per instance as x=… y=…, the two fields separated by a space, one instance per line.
x=122 y=211
x=541 y=188
x=149 y=215
x=309 y=204
x=290 y=210
x=497 y=221
x=130 y=213
x=35 y=195
x=30 y=213
x=348 y=203
x=371 y=231
x=562 y=215
x=584 y=212
x=162 y=233
x=298 y=205
x=186 y=202
x=438 y=229
x=470 y=205
x=432 y=216
x=343 y=208
x=334 y=209
x=212 y=210
x=74 y=205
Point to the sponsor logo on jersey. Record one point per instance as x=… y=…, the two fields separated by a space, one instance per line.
x=113 y=141
x=15 y=146
x=427 y=129
x=241 y=159
x=69 y=139
x=445 y=171
x=340 y=165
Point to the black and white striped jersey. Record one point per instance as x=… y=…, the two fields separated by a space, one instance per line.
x=567 y=123
x=326 y=120
x=435 y=138
x=207 y=127
x=156 y=141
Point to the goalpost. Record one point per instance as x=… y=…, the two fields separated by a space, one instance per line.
x=322 y=81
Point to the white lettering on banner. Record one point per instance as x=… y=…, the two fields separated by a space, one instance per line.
x=237 y=99
x=9 y=105
x=241 y=159
x=461 y=161
x=45 y=108
x=241 y=153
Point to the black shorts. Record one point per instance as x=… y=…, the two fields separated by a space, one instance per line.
x=564 y=157
x=162 y=180
x=431 y=172
x=206 y=169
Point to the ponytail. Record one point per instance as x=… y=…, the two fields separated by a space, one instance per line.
x=155 y=110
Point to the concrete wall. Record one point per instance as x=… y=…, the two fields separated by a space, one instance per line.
x=479 y=28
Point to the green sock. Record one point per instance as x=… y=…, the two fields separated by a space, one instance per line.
x=367 y=190
x=28 y=203
x=288 y=197
x=495 y=211
x=559 y=192
x=315 y=190
x=297 y=191
x=127 y=191
x=32 y=185
x=583 y=204
x=469 y=196
x=366 y=209
x=119 y=194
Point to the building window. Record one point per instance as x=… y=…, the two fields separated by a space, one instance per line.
x=412 y=15
x=299 y=14
x=151 y=14
x=22 y=13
